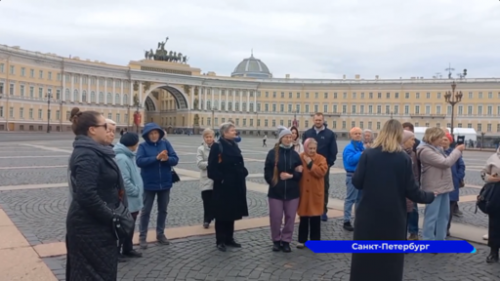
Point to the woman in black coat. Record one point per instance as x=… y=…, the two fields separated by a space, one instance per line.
x=97 y=189
x=491 y=175
x=385 y=175
x=227 y=169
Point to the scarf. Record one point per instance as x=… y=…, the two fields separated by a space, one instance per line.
x=88 y=142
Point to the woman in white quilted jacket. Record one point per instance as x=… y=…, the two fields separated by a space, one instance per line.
x=206 y=184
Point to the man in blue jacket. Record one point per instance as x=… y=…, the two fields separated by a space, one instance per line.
x=350 y=156
x=327 y=147
x=155 y=157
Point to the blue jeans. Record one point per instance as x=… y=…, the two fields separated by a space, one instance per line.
x=352 y=197
x=413 y=220
x=436 y=218
x=162 y=200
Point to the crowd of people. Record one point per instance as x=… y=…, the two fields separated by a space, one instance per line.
x=111 y=185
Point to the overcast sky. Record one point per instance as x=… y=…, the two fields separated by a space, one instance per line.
x=306 y=39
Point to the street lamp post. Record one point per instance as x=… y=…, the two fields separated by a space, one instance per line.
x=453 y=98
x=128 y=117
x=49 y=97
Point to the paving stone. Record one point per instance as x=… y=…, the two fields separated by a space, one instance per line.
x=196 y=258
x=40 y=214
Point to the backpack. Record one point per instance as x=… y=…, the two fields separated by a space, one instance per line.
x=484 y=198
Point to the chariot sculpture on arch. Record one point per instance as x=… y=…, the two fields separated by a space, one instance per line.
x=161 y=54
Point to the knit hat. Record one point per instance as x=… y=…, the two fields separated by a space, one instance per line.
x=129 y=139
x=407 y=135
x=450 y=138
x=283 y=131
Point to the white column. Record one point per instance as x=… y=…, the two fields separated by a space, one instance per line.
x=131 y=94
x=63 y=94
x=106 y=91
x=205 y=107
x=241 y=100
x=81 y=88
x=233 y=92
x=212 y=104
x=89 y=89
x=191 y=97
x=140 y=93
x=248 y=101
x=121 y=92
x=200 y=95
x=71 y=95
x=255 y=101
x=114 y=91
x=97 y=90
x=219 y=100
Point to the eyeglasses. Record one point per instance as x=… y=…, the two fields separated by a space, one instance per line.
x=105 y=126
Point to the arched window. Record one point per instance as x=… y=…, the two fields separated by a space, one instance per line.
x=101 y=97
x=229 y=105
x=84 y=96
x=117 y=99
x=76 y=98
x=92 y=96
x=125 y=99
x=109 y=98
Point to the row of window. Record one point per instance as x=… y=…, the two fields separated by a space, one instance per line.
x=57 y=117
x=371 y=95
x=356 y=109
x=48 y=75
x=33 y=92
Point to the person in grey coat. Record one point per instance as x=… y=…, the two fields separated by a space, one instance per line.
x=206 y=184
x=125 y=158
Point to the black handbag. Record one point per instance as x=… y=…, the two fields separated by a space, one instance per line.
x=175 y=176
x=123 y=222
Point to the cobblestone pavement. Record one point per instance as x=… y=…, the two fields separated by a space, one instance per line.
x=196 y=258
x=40 y=214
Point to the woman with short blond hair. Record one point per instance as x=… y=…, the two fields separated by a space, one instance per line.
x=381 y=213
x=436 y=177
x=206 y=184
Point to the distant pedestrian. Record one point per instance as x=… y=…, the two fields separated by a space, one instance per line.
x=264 y=139
x=206 y=184
x=327 y=147
x=367 y=138
x=282 y=171
x=312 y=191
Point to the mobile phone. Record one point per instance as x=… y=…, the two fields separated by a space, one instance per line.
x=460 y=140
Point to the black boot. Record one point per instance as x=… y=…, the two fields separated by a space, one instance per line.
x=493 y=256
x=276 y=246
x=286 y=247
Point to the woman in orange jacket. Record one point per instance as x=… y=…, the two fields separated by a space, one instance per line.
x=312 y=193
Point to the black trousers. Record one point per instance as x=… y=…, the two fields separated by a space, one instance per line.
x=309 y=227
x=224 y=231
x=206 y=196
x=453 y=210
x=127 y=246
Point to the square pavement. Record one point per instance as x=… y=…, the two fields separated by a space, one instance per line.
x=33 y=194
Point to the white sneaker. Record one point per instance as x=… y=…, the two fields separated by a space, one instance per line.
x=485 y=237
x=300 y=246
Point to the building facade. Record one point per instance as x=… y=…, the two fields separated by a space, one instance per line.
x=181 y=98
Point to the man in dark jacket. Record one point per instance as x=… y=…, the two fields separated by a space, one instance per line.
x=327 y=147
x=413 y=216
x=155 y=157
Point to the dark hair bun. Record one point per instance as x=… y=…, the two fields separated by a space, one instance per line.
x=75 y=113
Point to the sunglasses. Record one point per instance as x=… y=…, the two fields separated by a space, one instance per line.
x=105 y=126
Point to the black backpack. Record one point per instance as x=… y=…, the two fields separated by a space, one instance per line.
x=484 y=198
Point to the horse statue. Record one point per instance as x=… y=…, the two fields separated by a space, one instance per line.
x=146 y=54
x=184 y=59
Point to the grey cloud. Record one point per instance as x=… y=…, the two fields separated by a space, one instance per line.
x=313 y=39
